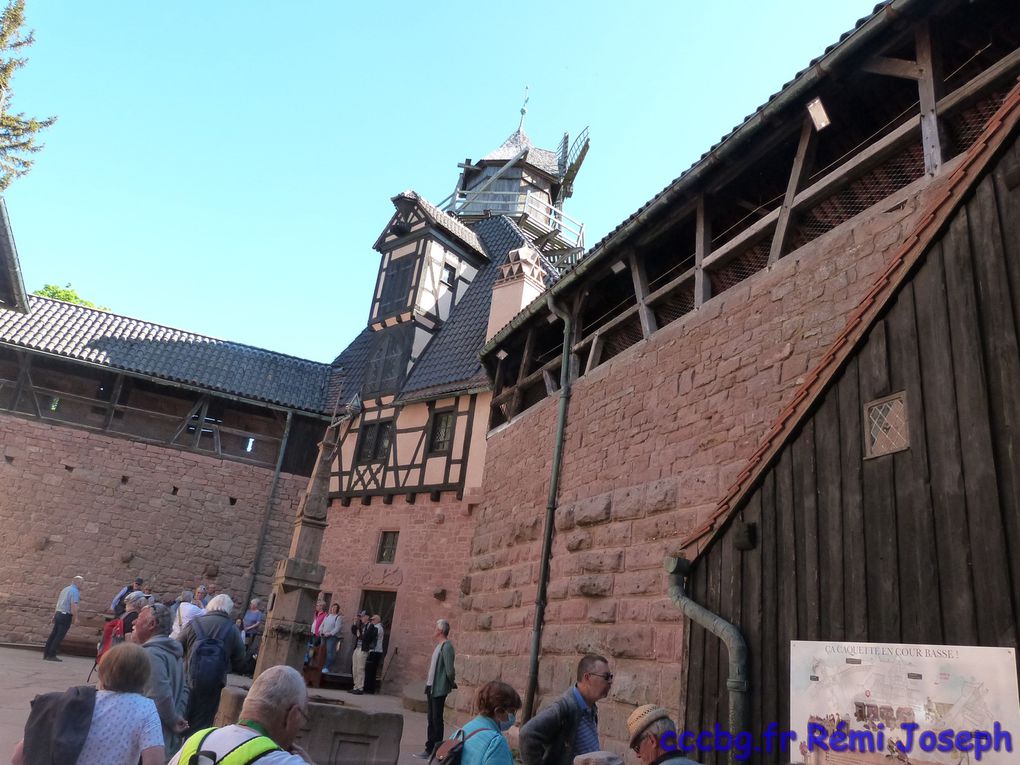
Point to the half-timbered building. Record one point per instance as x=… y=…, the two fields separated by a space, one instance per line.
x=835 y=277
x=414 y=394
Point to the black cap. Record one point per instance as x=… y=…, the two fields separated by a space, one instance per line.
x=139 y=580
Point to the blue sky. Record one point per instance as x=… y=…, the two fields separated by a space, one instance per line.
x=225 y=167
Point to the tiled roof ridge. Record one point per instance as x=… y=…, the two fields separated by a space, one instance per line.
x=452 y=224
x=177 y=330
x=886 y=287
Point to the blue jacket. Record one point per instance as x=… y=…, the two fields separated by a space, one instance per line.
x=488 y=747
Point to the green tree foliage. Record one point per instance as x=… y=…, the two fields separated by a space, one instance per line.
x=68 y=294
x=18 y=133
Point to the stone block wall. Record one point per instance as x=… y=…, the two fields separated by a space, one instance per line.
x=427 y=573
x=654 y=437
x=76 y=502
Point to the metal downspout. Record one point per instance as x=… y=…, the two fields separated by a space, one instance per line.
x=260 y=542
x=738 y=682
x=550 y=510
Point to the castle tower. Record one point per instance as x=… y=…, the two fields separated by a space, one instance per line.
x=529 y=184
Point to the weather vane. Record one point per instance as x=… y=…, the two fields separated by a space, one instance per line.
x=524 y=108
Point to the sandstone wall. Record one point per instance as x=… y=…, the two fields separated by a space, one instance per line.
x=75 y=502
x=654 y=437
x=432 y=550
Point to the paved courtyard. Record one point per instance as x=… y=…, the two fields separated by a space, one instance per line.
x=23 y=675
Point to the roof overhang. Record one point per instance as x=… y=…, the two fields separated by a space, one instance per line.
x=12 y=287
x=834 y=61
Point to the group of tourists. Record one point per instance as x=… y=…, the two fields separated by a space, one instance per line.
x=159 y=662
x=160 y=684
x=565 y=732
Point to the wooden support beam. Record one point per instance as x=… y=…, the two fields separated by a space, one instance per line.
x=114 y=398
x=522 y=372
x=195 y=409
x=550 y=382
x=929 y=88
x=25 y=384
x=802 y=163
x=596 y=352
x=702 y=249
x=640 y=280
x=893 y=67
x=578 y=307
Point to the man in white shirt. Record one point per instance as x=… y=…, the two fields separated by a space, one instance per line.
x=186 y=611
x=274 y=711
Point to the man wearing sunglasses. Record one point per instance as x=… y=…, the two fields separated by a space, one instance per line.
x=569 y=726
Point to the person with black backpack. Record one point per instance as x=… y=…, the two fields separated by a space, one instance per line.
x=213 y=646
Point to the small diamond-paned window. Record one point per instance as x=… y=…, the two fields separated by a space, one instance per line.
x=885 y=423
x=387 y=547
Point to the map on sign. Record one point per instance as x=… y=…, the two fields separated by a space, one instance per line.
x=870 y=703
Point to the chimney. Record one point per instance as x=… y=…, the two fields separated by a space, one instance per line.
x=520 y=281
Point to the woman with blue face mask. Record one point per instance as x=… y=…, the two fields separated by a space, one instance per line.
x=484 y=744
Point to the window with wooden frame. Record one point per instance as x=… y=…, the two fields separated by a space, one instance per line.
x=885 y=426
x=387 y=547
x=374 y=441
x=441 y=432
x=449 y=275
x=387 y=363
x=396 y=288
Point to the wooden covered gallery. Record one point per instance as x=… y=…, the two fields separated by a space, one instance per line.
x=682 y=339
x=884 y=506
x=134 y=449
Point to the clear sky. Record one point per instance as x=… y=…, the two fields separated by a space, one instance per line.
x=225 y=167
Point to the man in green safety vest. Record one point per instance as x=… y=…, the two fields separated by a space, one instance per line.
x=273 y=714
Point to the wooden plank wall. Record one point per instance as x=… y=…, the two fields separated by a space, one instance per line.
x=920 y=546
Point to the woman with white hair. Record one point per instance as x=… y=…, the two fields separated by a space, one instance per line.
x=213 y=646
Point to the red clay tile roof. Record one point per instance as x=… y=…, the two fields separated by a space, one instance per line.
x=903 y=262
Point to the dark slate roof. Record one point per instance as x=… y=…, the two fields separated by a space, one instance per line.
x=450 y=360
x=12 y=287
x=545 y=160
x=131 y=345
x=450 y=224
x=350 y=367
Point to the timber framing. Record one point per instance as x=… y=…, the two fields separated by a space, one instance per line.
x=722 y=222
x=407 y=467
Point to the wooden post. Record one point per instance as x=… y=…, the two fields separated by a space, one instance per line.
x=114 y=398
x=25 y=383
x=802 y=162
x=515 y=402
x=702 y=248
x=595 y=354
x=929 y=90
x=640 y=279
x=575 y=360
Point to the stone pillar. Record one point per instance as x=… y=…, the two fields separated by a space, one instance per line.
x=298 y=579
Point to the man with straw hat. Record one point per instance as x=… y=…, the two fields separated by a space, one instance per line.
x=653 y=737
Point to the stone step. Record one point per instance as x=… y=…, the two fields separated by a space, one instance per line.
x=413 y=697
